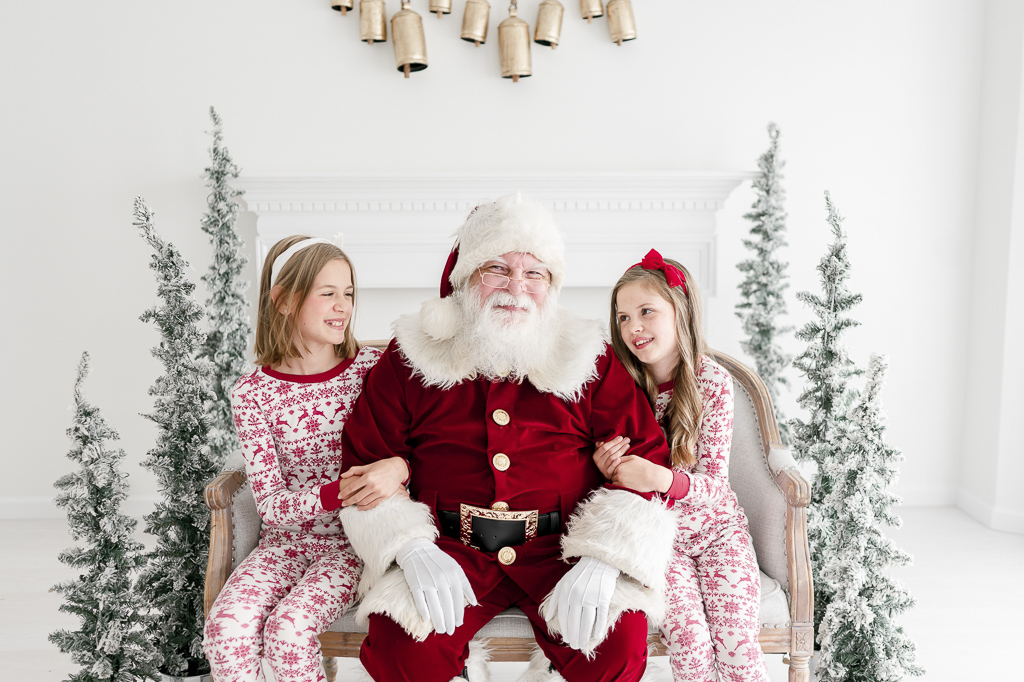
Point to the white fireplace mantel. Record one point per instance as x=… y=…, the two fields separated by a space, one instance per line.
x=397 y=227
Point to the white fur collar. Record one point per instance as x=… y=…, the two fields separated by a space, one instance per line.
x=569 y=367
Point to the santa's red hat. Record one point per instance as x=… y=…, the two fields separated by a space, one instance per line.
x=513 y=223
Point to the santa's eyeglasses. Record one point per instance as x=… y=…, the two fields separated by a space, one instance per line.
x=530 y=285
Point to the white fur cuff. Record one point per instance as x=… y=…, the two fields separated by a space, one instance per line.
x=391 y=597
x=377 y=534
x=623 y=529
x=628 y=596
x=635 y=536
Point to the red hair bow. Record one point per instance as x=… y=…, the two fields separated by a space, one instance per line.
x=673 y=275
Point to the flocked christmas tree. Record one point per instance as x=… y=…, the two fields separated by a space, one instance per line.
x=110 y=643
x=762 y=303
x=859 y=638
x=826 y=367
x=228 y=333
x=173 y=578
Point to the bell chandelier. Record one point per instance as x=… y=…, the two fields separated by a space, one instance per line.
x=513 y=33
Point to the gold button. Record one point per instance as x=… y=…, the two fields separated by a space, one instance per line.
x=501 y=461
x=500 y=506
x=500 y=417
x=507 y=555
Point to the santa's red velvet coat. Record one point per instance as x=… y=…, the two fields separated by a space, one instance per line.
x=450 y=437
x=424 y=402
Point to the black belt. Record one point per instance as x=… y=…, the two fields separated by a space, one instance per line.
x=490 y=534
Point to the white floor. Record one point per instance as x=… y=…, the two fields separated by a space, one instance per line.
x=968 y=580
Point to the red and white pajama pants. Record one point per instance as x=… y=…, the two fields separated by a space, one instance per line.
x=713 y=604
x=275 y=604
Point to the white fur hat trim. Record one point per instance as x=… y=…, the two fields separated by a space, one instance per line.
x=513 y=223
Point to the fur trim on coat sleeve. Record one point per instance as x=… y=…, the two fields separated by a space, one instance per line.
x=634 y=535
x=623 y=529
x=377 y=534
x=390 y=596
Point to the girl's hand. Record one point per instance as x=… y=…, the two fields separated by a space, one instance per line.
x=642 y=475
x=608 y=454
x=373 y=483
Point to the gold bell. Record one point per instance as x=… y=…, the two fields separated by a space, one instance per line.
x=373 y=25
x=474 y=21
x=410 y=43
x=440 y=7
x=342 y=6
x=590 y=9
x=549 y=23
x=620 y=21
x=514 y=46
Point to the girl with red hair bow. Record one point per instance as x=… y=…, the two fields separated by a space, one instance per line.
x=713 y=599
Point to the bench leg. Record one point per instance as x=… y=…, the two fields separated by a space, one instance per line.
x=799 y=668
x=330 y=668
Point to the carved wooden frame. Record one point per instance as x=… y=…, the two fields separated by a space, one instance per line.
x=798 y=639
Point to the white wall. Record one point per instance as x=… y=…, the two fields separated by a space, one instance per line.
x=878 y=102
x=992 y=470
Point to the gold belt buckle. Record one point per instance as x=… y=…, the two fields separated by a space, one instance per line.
x=468 y=511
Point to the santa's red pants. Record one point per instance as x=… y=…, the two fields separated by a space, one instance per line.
x=391 y=655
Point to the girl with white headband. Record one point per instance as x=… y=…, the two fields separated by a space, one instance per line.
x=289 y=413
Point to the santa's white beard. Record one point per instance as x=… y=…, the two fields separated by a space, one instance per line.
x=502 y=343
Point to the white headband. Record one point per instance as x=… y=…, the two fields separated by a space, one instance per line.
x=285 y=256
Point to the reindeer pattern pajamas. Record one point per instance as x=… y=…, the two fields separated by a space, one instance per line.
x=713 y=596
x=303 y=574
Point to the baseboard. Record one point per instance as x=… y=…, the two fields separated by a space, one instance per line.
x=1009 y=521
x=990 y=515
x=974 y=506
x=16 y=508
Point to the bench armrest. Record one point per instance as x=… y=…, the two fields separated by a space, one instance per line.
x=219 y=495
x=801 y=587
x=787 y=475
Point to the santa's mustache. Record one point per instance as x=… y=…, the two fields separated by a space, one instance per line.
x=504 y=298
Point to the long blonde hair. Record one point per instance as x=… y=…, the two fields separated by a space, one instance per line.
x=684 y=410
x=275 y=332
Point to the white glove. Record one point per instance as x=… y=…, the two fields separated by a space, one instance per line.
x=438 y=584
x=583 y=596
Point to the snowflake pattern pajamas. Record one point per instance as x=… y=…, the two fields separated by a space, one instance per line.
x=713 y=598
x=303 y=574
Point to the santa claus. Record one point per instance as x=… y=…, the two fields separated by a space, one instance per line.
x=495 y=397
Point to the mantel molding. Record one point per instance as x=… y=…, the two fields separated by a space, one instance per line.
x=394 y=222
x=445 y=192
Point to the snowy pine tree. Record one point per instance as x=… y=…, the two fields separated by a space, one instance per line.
x=110 y=644
x=825 y=364
x=228 y=334
x=860 y=641
x=173 y=578
x=762 y=302
x=826 y=367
